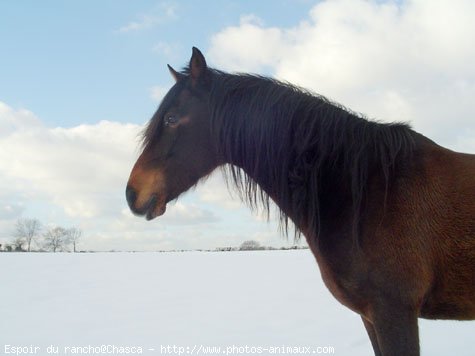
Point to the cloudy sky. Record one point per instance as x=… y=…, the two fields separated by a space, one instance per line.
x=78 y=80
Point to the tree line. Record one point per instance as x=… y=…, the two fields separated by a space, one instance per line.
x=253 y=245
x=31 y=235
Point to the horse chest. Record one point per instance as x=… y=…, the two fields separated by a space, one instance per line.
x=341 y=274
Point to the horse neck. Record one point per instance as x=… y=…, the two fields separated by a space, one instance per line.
x=259 y=148
x=323 y=175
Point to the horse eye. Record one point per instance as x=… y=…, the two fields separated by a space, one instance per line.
x=171 y=120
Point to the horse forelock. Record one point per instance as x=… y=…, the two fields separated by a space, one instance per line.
x=152 y=129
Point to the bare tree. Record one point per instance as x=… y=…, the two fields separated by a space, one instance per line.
x=17 y=243
x=25 y=232
x=250 y=245
x=55 y=239
x=74 y=235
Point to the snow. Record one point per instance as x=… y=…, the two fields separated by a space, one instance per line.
x=254 y=298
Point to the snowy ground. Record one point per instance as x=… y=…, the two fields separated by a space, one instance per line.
x=262 y=298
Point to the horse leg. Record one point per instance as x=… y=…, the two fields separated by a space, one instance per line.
x=372 y=336
x=397 y=331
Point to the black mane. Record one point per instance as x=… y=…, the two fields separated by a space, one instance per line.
x=305 y=151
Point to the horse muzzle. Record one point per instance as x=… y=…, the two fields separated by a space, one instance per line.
x=152 y=208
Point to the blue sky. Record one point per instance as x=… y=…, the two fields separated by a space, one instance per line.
x=70 y=62
x=79 y=79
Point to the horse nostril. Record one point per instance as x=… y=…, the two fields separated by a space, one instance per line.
x=131 y=196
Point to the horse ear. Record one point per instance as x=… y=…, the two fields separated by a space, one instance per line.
x=197 y=65
x=176 y=75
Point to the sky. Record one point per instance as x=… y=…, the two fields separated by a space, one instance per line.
x=78 y=80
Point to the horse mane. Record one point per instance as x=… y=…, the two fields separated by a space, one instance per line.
x=304 y=150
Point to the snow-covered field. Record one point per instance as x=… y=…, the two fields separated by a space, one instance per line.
x=261 y=298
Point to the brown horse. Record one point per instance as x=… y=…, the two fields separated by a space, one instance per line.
x=388 y=214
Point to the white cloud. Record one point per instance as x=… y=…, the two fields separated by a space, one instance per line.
x=465 y=142
x=168 y=50
x=247 y=47
x=12 y=120
x=142 y=23
x=164 y=12
x=78 y=168
x=214 y=190
x=77 y=176
x=188 y=214
x=409 y=61
x=157 y=92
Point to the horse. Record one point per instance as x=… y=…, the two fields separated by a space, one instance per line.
x=388 y=214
